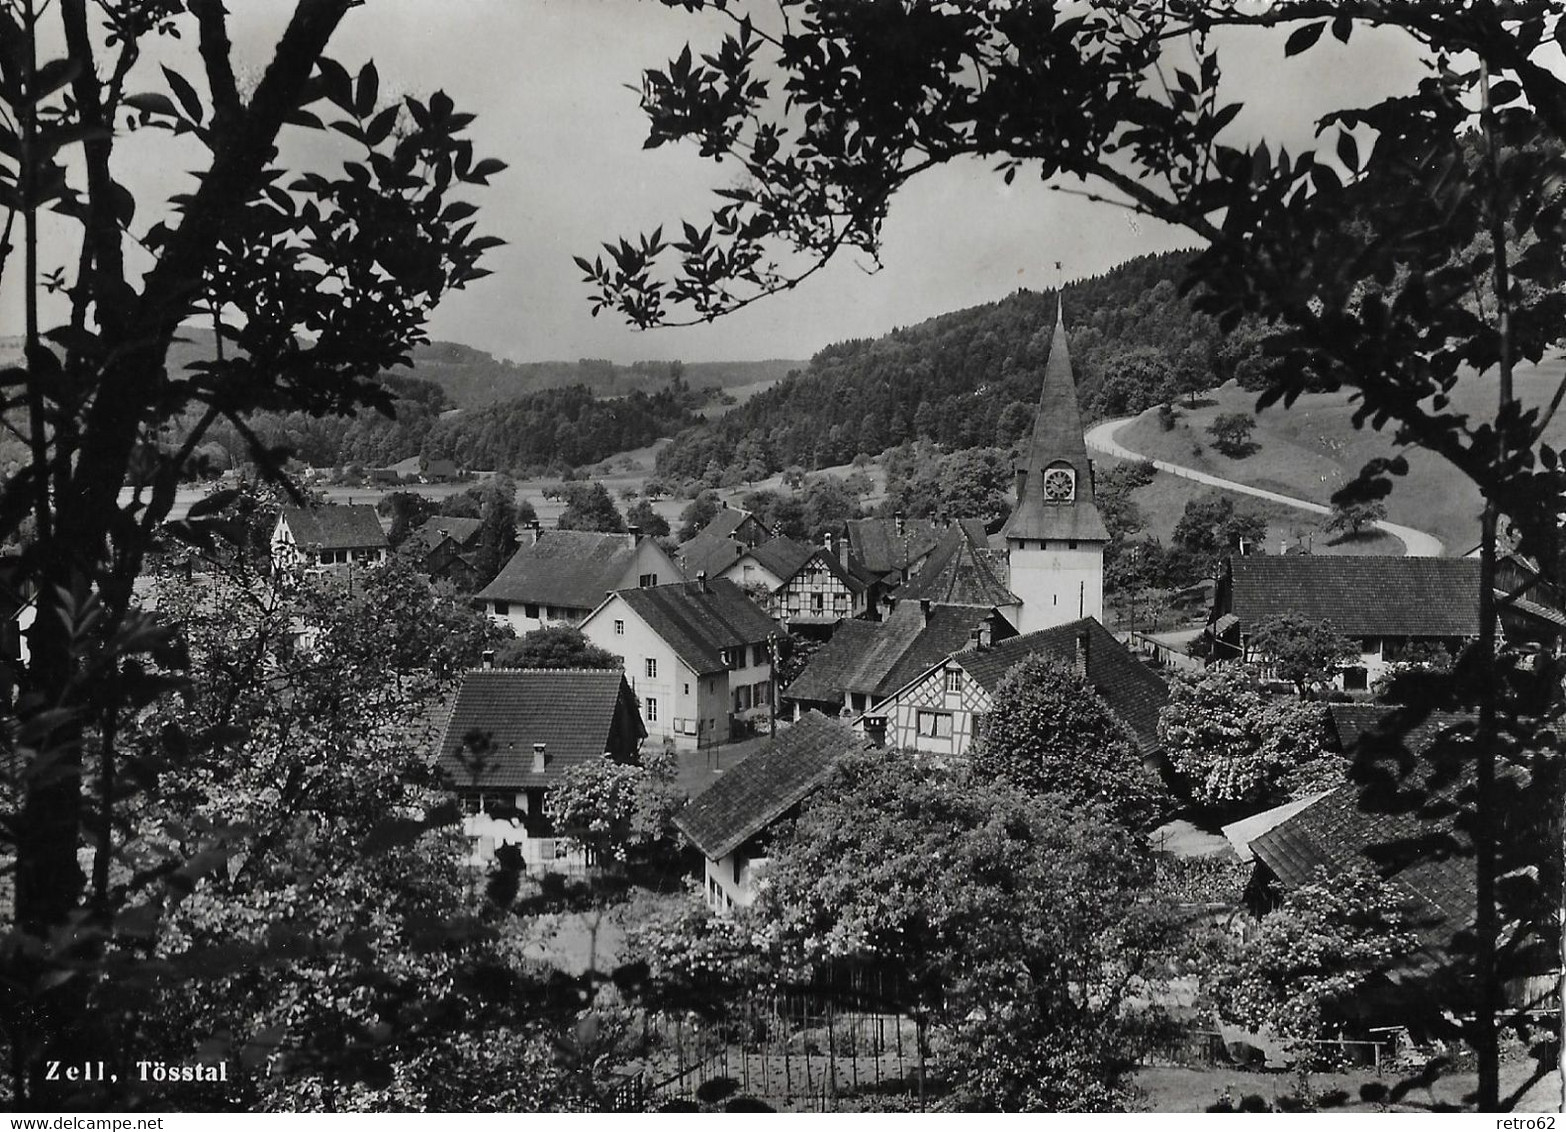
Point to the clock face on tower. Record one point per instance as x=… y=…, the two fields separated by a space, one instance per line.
x=1060 y=485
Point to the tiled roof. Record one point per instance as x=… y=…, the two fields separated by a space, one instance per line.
x=698 y=622
x=1360 y=596
x=765 y=786
x=719 y=544
x=962 y=569
x=878 y=546
x=783 y=557
x=500 y=713
x=573 y=569
x=335 y=526
x=1133 y=691
x=463 y=532
x=1057 y=437
x=879 y=657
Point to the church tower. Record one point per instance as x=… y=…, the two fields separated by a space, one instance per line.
x=1055 y=537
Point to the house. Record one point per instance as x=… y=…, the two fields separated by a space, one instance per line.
x=963 y=569
x=512 y=733
x=729 y=822
x=718 y=545
x=330 y=535
x=437 y=471
x=884 y=553
x=941 y=709
x=559 y=577
x=1338 y=830
x=1392 y=608
x=805 y=585
x=866 y=661
x=698 y=655
x=443 y=549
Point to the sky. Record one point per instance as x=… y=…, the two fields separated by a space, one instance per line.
x=551 y=82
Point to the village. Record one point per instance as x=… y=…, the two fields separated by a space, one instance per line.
x=801 y=556
x=653 y=721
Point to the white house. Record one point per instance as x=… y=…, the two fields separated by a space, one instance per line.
x=334 y=535
x=698 y=655
x=559 y=577
x=730 y=820
x=806 y=585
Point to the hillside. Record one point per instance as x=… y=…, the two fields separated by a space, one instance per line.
x=972 y=377
x=1312 y=449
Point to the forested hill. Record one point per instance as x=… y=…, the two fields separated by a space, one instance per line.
x=972 y=377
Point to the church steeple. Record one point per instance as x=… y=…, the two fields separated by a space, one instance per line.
x=1054 y=478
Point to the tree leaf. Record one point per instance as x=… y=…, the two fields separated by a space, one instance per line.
x=1303 y=39
x=185 y=93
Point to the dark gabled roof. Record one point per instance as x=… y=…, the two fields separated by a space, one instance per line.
x=700 y=621
x=1133 y=691
x=1360 y=596
x=783 y=557
x=719 y=544
x=572 y=569
x=335 y=526
x=879 y=657
x=500 y=713
x=463 y=532
x=880 y=547
x=1057 y=438
x=765 y=786
x=963 y=570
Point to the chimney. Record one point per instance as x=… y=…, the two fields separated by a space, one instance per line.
x=975 y=639
x=489 y=658
x=901 y=530
x=538 y=758
x=924 y=609
x=634 y=532
x=1079 y=659
x=827 y=544
x=701 y=580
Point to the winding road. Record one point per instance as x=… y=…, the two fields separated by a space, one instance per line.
x=1101 y=437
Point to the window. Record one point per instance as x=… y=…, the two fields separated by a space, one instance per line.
x=758 y=654
x=651 y=706
x=652 y=669
x=856 y=701
x=1355 y=679
x=1071 y=544
x=619 y=628
x=742 y=698
x=761 y=694
x=934 y=724
x=687 y=689
x=531 y=609
x=953 y=680
x=817 y=602
x=647 y=581
x=502 y=608
x=734 y=658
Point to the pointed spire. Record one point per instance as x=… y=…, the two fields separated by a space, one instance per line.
x=1057 y=428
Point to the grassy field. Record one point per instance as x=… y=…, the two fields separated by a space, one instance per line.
x=1195 y=1090
x=1312 y=448
x=1162 y=502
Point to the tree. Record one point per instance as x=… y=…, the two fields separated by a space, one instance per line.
x=828 y=505
x=498 y=518
x=313 y=282
x=613 y=808
x=1306 y=653
x=408 y=511
x=1001 y=914
x=1211 y=528
x=589 y=507
x=1352 y=517
x=1314 y=956
x=1231 y=433
x=554 y=646
x=1421 y=238
x=645 y=517
x=1239 y=751
x=698 y=513
x=1049 y=732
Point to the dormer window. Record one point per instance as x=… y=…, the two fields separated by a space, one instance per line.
x=1060 y=484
